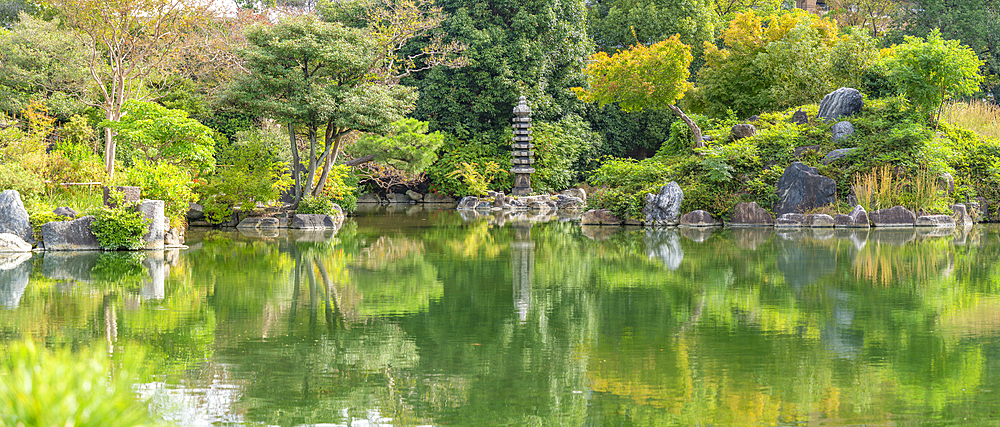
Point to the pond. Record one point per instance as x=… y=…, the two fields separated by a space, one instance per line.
x=435 y=319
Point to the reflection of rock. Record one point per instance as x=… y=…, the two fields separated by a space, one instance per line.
x=172 y=257
x=822 y=233
x=469 y=215
x=153 y=286
x=9 y=260
x=838 y=334
x=961 y=235
x=935 y=232
x=665 y=245
x=69 y=265
x=857 y=236
x=596 y=232
x=14 y=272
x=751 y=237
x=791 y=233
x=803 y=261
x=267 y=233
x=311 y=235
x=697 y=234
x=893 y=236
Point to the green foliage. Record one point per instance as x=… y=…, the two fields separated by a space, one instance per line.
x=534 y=48
x=407 y=146
x=42 y=62
x=120 y=227
x=156 y=134
x=639 y=78
x=317 y=205
x=41 y=387
x=618 y=23
x=15 y=177
x=929 y=71
x=477 y=177
x=625 y=183
x=561 y=151
x=767 y=63
x=250 y=171
x=162 y=181
x=636 y=134
x=478 y=152
x=40 y=218
x=856 y=62
x=342 y=188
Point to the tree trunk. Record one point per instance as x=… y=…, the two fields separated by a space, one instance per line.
x=109 y=154
x=695 y=130
x=296 y=164
x=327 y=158
x=311 y=169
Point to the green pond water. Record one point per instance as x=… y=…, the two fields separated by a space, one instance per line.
x=435 y=319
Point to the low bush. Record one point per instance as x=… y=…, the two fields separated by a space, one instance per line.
x=250 y=171
x=316 y=205
x=120 y=227
x=342 y=188
x=162 y=181
x=480 y=153
x=41 y=387
x=26 y=182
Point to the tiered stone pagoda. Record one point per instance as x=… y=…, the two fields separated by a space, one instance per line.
x=523 y=150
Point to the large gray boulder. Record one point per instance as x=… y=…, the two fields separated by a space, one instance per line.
x=893 y=217
x=74 y=235
x=800 y=117
x=152 y=210
x=961 y=215
x=802 y=188
x=195 y=212
x=858 y=218
x=792 y=220
x=468 y=203
x=742 y=130
x=842 y=102
x=841 y=131
x=12 y=243
x=314 y=221
x=576 y=192
x=750 y=215
x=821 y=221
x=13 y=217
x=257 y=222
x=14 y=273
x=664 y=208
x=935 y=221
x=600 y=217
x=698 y=218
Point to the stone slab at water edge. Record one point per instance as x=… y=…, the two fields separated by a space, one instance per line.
x=897 y=216
x=75 y=235
x=858 y=218
x=750 y=215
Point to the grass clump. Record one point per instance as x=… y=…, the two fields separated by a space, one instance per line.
x=42 y=387
x=978 y=116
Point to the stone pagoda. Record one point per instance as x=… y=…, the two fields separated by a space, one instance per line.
x=523 y=155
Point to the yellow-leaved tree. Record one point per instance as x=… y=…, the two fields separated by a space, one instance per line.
x=641 y=78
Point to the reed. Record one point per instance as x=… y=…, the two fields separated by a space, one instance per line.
x=978 y=116
x=878 y=189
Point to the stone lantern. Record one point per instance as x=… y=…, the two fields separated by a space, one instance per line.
x=523 y=153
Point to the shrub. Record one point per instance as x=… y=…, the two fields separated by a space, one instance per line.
x=316 y=205
x=407 y=147
x=626 y=183
x=38 y=219
x=342 y=188
x=15 y=177
x=162 y=181
x=560 y=152
x=120 y=227
x=476 y=177
x=479 y=152
x=250 y=171
x=40 y=387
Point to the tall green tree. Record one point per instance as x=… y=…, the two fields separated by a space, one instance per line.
x=931 y=70
x=641 y=78
x=315 y=75
x=975 y=23
x=617 y=24
x=534 y=48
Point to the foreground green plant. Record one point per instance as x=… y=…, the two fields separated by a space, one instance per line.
x=476 y=176
x=120 y=227
x=41 y=387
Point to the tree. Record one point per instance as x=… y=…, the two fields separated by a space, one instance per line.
x=534 y=48
x=931 y=70
x=305 y=72
x=39 y=59
x=726 y=10
x=975 y=22
x=874 y=16
x=642 y=77
x=615 y=24
x=130 y=41
x=158 y=134
x=768 y=62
